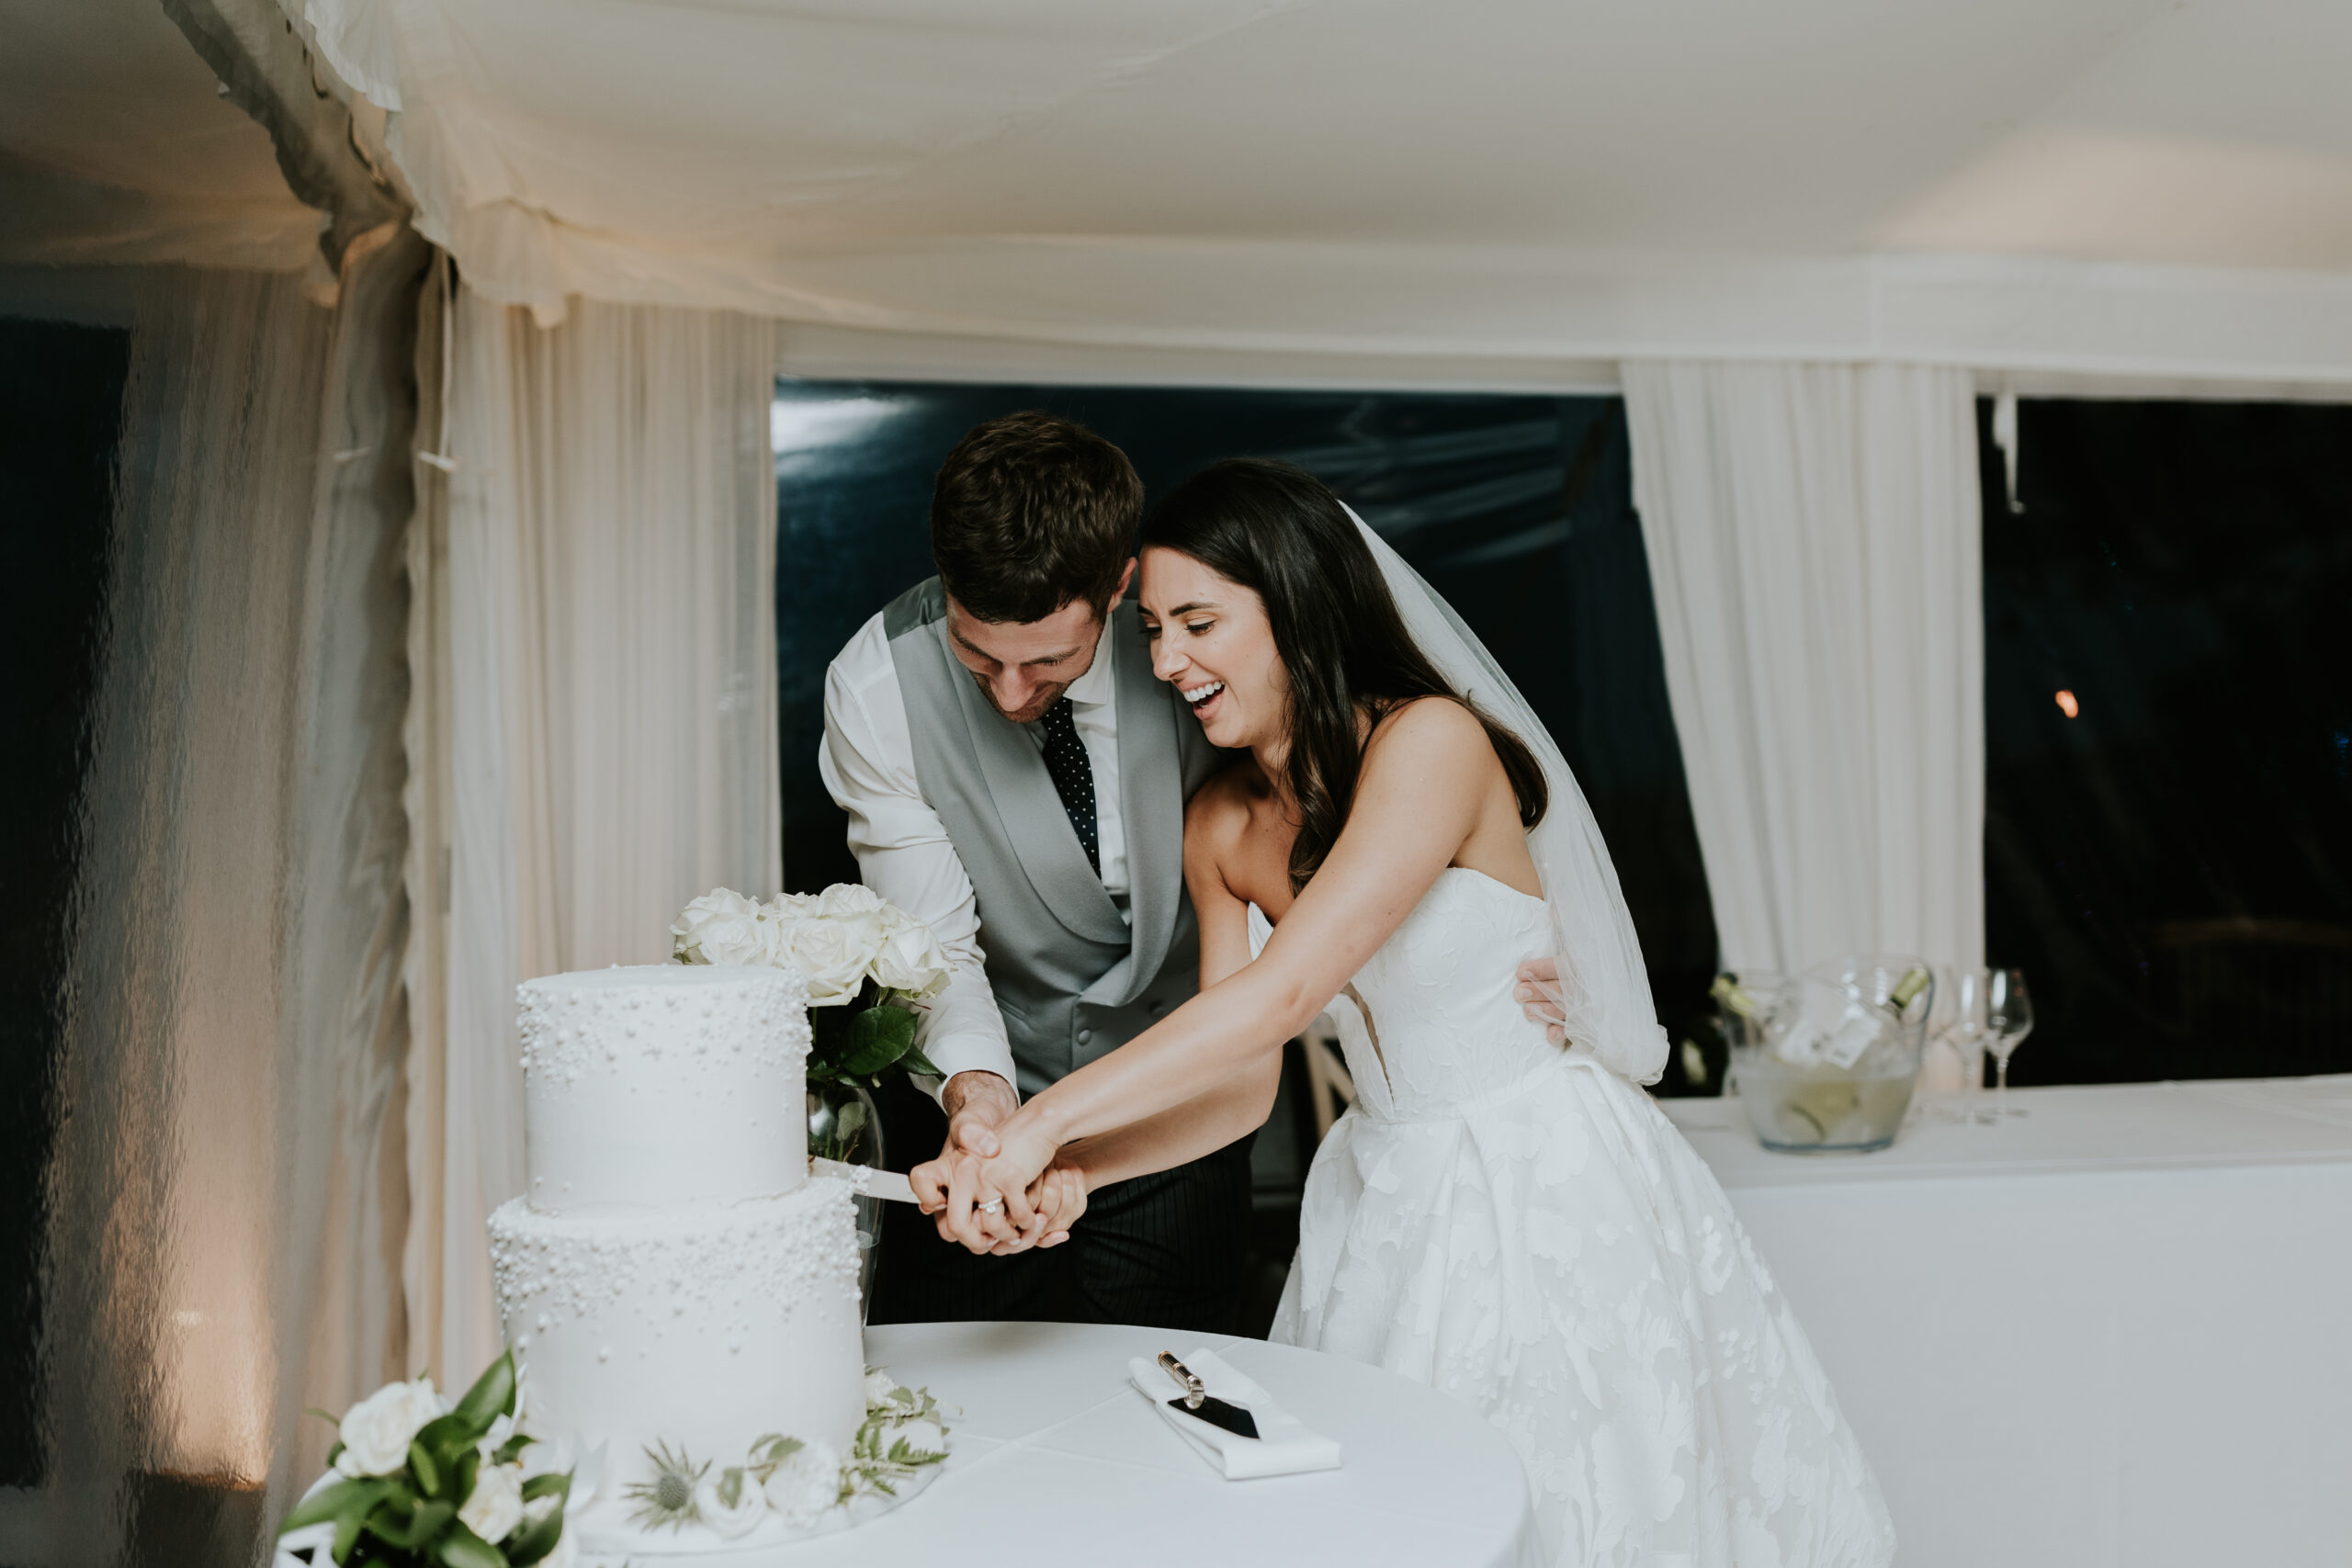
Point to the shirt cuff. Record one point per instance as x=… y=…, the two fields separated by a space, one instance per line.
x=965 y=1054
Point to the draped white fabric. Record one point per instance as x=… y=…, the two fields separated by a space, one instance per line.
x=607 y=710
x=1812 y=533
x=223 y=1240
x=2038 y=186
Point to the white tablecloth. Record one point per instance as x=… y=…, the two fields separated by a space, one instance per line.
x=2117 y=1332
x=1058 y=1460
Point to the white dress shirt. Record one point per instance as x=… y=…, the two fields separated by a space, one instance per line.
x=902 y=848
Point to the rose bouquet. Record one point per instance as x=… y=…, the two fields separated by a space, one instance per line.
x=421 y=1481
x=869 y=965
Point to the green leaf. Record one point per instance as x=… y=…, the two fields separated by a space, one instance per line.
x=445 y=1437
x=346 y=1533
x=468 y=1467
x=492 y=1396
x=546 y=1484
x=534 y=1541
x=422 y=1523
x=463 y=1549
x=330 y=1502
x=877 y=1037
x=914 y=1061
x=512 y=1449
x=421 y=1464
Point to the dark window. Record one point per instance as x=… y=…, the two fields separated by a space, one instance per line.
x=2168 y=729
x=1518 y=508
x=60 y=409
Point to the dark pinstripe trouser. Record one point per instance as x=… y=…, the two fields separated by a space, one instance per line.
x=1166 y=1251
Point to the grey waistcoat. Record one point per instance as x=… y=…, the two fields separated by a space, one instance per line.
x=1072 y=978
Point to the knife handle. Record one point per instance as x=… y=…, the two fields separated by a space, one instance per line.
x=1195 y=1391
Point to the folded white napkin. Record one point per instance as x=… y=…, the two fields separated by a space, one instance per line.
x=1282 y=1446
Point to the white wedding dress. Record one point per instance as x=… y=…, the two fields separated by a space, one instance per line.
x=1516 y=1225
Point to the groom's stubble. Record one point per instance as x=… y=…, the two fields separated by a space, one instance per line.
x=1023 y=668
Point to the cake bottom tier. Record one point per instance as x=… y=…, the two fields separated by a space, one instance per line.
x=698 y=1329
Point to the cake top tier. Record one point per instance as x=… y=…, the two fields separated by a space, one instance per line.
x=663 y=1084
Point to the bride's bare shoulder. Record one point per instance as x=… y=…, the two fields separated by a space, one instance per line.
x=1425 y=727
x=1219 y=810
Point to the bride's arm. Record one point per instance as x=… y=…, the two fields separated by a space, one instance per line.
x=1206 y=1122
x=1426 y=775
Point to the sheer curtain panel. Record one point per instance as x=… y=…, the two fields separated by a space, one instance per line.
x=1812 y=533
x=600 y=664
x=224 y=1202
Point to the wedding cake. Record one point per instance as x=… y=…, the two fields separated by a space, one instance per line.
x=675 y=1288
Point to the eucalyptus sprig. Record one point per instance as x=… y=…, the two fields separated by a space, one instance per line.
x=410 y=1517
x=884 y=1451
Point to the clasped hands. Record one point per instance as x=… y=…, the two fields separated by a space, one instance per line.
x=996 y=1186
x=1000 y=1185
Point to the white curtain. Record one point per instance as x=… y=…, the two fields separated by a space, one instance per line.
x=224 y=1205
x=598 y=669
x=1812 y=533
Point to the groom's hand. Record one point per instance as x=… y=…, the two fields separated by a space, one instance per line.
x=1541 y=997
x=977 y=1104
x=947 y=1188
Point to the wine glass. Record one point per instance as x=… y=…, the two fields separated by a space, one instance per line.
x=1960 y=1024
x=2008 y=1018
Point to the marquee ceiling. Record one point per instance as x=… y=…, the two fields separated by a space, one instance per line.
x=2121 y=183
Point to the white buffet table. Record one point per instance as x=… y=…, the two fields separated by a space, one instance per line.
x=2116 y=1333
x=1056 y=1460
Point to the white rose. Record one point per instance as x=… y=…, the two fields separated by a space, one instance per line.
x=806 y=1484
x=495 y=1506
x=924 y=1439
x=724 y=927
x=880 y=1388
x=376 y=1432
x=740 y=1517
x=911 y=959
x=791 y=909
x=833 y=954
x=846 y=900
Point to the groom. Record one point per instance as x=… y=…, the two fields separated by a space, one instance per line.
x=1015 y=777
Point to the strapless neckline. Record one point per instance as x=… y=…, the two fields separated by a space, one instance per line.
x=1486 y=877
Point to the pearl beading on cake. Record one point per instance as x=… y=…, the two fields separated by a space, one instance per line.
x=570 y=1029
x=730 y=1271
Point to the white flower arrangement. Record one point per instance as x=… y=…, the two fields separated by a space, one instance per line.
x=420 y=1481
x=376 y=1432
x=849 y=943
x=800 y=1483
x=804 y=1482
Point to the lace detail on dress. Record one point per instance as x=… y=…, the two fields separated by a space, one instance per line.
x=1516 y=1225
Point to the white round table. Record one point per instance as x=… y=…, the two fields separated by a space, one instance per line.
x=1058 y=1459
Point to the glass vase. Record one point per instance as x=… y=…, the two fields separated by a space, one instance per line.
x=845 y=1125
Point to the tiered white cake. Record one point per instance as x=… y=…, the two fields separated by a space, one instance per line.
x=674 y=1276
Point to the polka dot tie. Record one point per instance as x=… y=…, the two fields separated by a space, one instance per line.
x=1073 y=776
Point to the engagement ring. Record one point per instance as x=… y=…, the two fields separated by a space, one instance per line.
x=993 y=1206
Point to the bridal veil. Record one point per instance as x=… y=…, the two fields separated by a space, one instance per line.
x=1605 y=990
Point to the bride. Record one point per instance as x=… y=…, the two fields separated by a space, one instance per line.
x=1504 y=1214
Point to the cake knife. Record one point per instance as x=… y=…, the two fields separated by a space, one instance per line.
x=865 y=1179
x=1196 y=1400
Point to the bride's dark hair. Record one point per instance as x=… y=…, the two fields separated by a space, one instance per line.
x=1277 y=531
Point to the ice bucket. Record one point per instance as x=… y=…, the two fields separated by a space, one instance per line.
x=1827 y=1060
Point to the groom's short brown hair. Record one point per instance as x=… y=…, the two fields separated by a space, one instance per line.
x=1030 y=512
